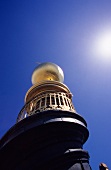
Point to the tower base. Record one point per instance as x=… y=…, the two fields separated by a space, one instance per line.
x=50 y=140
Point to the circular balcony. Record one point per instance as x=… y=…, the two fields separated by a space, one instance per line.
x=47 y=101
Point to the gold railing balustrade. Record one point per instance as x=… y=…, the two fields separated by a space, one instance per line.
x=47 y=101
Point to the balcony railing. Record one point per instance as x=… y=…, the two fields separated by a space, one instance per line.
x=47 y=101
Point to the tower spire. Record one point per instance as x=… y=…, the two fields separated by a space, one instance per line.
x=48 y=91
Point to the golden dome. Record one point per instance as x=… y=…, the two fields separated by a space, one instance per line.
x=47 y=72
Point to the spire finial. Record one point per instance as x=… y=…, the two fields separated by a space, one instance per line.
x=47 y=72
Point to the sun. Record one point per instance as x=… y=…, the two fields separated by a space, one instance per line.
x=103 y=45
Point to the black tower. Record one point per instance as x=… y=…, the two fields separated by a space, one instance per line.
x=48 y=134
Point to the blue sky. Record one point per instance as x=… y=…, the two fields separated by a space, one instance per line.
x=63 y=32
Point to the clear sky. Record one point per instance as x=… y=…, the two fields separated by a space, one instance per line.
x=76 y=35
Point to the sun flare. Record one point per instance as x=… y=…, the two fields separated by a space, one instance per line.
x=103 y=45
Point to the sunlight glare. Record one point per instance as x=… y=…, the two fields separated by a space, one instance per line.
x=103 y=45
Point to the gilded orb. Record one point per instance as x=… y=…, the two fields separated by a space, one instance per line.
x=47 y=72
